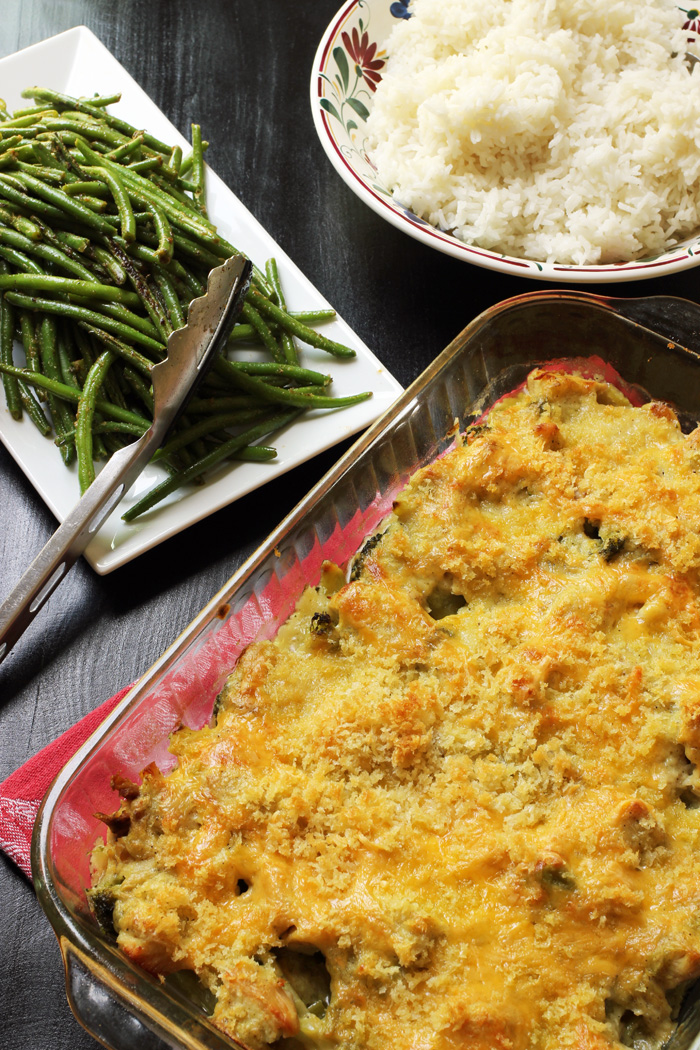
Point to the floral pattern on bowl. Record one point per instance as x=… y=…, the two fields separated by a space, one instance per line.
x=347 y=68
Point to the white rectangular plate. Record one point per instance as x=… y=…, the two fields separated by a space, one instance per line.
x=76 y=63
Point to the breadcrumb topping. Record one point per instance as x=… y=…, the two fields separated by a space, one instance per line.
x=455 y=802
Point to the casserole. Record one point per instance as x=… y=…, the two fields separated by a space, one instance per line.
x=642 y=339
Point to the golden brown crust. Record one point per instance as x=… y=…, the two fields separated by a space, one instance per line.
x=468 y=776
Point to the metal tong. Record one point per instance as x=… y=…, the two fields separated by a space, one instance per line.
x=189 y=352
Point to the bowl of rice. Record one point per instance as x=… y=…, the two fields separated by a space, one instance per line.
x=553 y=139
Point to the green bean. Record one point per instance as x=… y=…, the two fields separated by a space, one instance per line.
x=23 y=151
x=215 y=385
x=34 y=410
x=20 y=260
x=190 y=221
x=284 y=396
x=110 y=426
x=92 y=186
x=29 y=340
x=282 y=381
x=230 y=403
x=111 y=265
x=10 y=143
x=67 y=367
x=151 y=164
x=84 y=347
x=155 y=309
x=294 y=326
x=170 y=297
x=135 y=359
x=44 y=282
x=179 y=287
x=159 y=492
x=61 y=144
x=13 y=218
x=65 y=101
x=42 y=152
x=48 y=353
x=184 y=186
x=237 y=415
x=54 y=307
x=194 y=285
x=16 y=194
x=101 y=100
x=180 y=190
x=180 y=212
x=8 y=160
x=67 y=140
x=101 y=448
x=243 y=332
x=289 y=350
x=62 y=391
x=175 y=159
x=93 y=203
x=312 y=316
x=26 y=226
x=284 y=370
x=25 y=120
x=263 y=330
x=198 y=172
x=272 y=274
x=88 y=353
x=31 y=111
x=163 y=231
x=142 y=324
x=126 y=149
x=93 y=132
x=114 y=442
x=127 y=223
x=207 y=425
x=69 y=241
x=63 y=203
x=140 y=389
x=194 y=251
x=198 y=447
x=76 y=114
x=10 y=383
x=254 y=453
x=55 y=256
x=58 y=177
x=80 y=372
x=85 y=415
x=48 y=347
x=33 y=150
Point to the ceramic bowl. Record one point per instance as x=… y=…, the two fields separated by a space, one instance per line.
x=349 y=64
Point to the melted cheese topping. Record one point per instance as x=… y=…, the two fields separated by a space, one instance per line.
x=468 y=776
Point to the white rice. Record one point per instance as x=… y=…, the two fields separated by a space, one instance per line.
x=557 y=130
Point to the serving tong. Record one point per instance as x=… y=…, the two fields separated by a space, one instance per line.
x=190 y=351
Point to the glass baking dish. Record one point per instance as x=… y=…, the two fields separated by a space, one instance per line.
x=649 y=342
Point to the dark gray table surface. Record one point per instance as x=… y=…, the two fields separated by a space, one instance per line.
x=242 y=65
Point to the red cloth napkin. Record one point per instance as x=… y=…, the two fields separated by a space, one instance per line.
x=22 y=792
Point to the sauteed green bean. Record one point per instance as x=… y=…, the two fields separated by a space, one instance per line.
x=104 y=242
